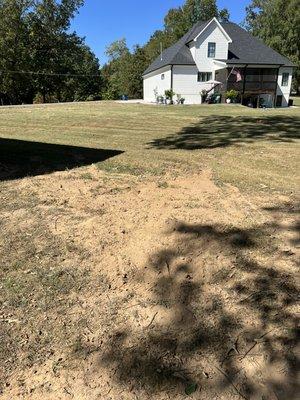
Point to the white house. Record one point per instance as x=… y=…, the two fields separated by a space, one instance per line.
x=213 y=52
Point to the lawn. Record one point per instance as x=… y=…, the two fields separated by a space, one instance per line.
x=148 y=252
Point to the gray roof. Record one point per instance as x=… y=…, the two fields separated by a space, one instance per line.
x=244 y=49
x=247 y=49
x=178 y=54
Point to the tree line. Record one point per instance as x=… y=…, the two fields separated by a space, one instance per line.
x=41 y=61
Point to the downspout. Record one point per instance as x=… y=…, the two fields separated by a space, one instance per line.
x=171 y=76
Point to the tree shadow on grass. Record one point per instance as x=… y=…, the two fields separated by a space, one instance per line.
x=222 y=131
x=19 y=158
x=230 y=324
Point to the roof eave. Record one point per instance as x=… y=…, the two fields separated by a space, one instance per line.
x=207 y=25
x=238 y=62
x=156 y=69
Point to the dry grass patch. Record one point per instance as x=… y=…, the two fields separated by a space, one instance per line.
x=144 y=270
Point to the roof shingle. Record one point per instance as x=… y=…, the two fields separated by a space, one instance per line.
x=245 y=49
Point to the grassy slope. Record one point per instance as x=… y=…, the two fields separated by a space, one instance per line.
x=249 y=148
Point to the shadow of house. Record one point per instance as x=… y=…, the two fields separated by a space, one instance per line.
x=222 y=131
x=19 y=158
x=204 y=328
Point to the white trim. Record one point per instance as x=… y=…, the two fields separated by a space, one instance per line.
x=249 y=65
x=220 y=62
x=221 y=28
x=157 y=71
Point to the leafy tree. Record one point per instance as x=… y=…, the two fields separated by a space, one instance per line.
x=176 y=23
x=117 y=50
x=115 y=83
x=14 y=54
x=224 y=15
x=277 y=23
x=39 y=58
x=200 y=10
x=49 y=44
x=136 y=67
x=203 y=10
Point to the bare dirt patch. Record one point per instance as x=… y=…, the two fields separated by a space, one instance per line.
x=129 y=287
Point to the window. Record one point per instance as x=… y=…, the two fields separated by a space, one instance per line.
x=269 y=74
x=279 y=100
x=211 y=50
x=204 y=76
x=285 y=79
x=162 y=77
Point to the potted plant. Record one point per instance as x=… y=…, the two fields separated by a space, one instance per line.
x=203 y=95
x=160 y=99
x=169 y=96
x=231 y=96
x=180 y=100
x=156 y=95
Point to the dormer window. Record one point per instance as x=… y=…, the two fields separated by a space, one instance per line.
x=211 y=50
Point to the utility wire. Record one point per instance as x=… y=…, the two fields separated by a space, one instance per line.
x=46 y=74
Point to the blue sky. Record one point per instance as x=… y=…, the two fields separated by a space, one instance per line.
x=102 y=22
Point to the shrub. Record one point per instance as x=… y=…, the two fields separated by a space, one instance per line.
x=169 y=94
x=232 y=94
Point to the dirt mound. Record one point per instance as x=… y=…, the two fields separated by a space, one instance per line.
x=118 y=287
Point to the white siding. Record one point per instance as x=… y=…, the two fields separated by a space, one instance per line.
x=284 y=90
x=154 y=81
x=185 y=83
x=212 y=34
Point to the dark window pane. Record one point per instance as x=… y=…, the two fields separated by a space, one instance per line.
x=268 y=85
x=285 y=79
x=204 y=76
x=252 y=86
x=270 y=78
x=211 y=50
x=279 y=101
x=269 y=71
x=253 y=74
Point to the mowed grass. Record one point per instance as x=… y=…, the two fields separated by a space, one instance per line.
x=249 y=148
x=296 y=100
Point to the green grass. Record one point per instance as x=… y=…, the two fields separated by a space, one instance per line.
x=252 y=149
x=296 y=101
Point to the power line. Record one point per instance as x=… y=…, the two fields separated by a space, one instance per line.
x=47 y=74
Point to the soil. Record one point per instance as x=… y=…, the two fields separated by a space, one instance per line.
x=162 y=288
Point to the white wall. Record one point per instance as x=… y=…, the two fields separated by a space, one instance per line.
x=284 y=90
x=153 y=81
x=213 y=33
x=185 y=83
